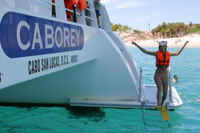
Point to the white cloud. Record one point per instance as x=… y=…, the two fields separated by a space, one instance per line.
x=107 y=1
x=130 y=4
x=195 y=9
x=142 y=19
x=119 y=4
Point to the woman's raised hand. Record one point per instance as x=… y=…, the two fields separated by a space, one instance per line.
x=134 y=43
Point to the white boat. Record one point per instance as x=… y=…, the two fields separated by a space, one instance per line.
x=45 y=59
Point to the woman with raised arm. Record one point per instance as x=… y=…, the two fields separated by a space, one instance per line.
x=162 y=63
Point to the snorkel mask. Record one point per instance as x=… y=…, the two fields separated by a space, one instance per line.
x=163 y=44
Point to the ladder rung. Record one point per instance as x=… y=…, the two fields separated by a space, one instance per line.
x=156 y=125
x=153 y=120
x=151 y=114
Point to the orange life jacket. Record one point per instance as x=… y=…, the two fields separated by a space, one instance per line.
x=81 y=4
x=68 y=4
x=160 y=61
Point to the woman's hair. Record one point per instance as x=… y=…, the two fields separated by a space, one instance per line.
x=163 y=43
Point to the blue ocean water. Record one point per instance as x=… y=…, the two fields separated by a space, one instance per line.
x=111 y=120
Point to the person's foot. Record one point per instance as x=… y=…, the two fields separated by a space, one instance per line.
x=158 y=108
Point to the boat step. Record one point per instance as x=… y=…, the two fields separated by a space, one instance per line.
x=151 y=114
x=153 y=120
x=157 y=125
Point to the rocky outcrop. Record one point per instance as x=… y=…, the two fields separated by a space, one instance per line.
x=131 y=36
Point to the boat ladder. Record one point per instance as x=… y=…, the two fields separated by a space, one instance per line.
x=153 y=119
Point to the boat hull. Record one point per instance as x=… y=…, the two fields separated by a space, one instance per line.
x=52 y=61
x=47 y=60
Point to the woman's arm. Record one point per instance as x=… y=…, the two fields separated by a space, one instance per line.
x=143 y=50
x=180 y=50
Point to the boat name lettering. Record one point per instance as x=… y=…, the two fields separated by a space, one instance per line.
x=22 y=35
x=39 y=65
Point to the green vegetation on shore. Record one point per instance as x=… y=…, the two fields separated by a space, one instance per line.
x=121 y=28
x=165 y=30
x=175 y=29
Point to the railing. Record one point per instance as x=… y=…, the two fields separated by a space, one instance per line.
x=90 y=10
x=51 y=3
x=140 y=85
x=66 y=9
x=90 y=17
x=170 y=87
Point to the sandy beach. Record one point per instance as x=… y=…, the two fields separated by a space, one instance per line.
x=194 y=41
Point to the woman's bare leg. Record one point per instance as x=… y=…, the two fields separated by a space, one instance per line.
x=165 y=87
x=157 y=78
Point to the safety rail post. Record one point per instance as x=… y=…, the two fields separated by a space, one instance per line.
x=74 y=10
x=170 y=87
x=140 y=85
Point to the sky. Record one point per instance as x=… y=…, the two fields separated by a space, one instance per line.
x=147 y=14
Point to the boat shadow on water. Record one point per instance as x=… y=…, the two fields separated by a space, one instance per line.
x=93 y=114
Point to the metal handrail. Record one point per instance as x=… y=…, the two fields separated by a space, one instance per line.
x=66 y=9
x=51 y=3
x=140 y=85
x=89 y=9
x=170 y=87
x=89 y=18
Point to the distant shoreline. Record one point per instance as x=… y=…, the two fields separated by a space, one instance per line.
x=194 y=42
